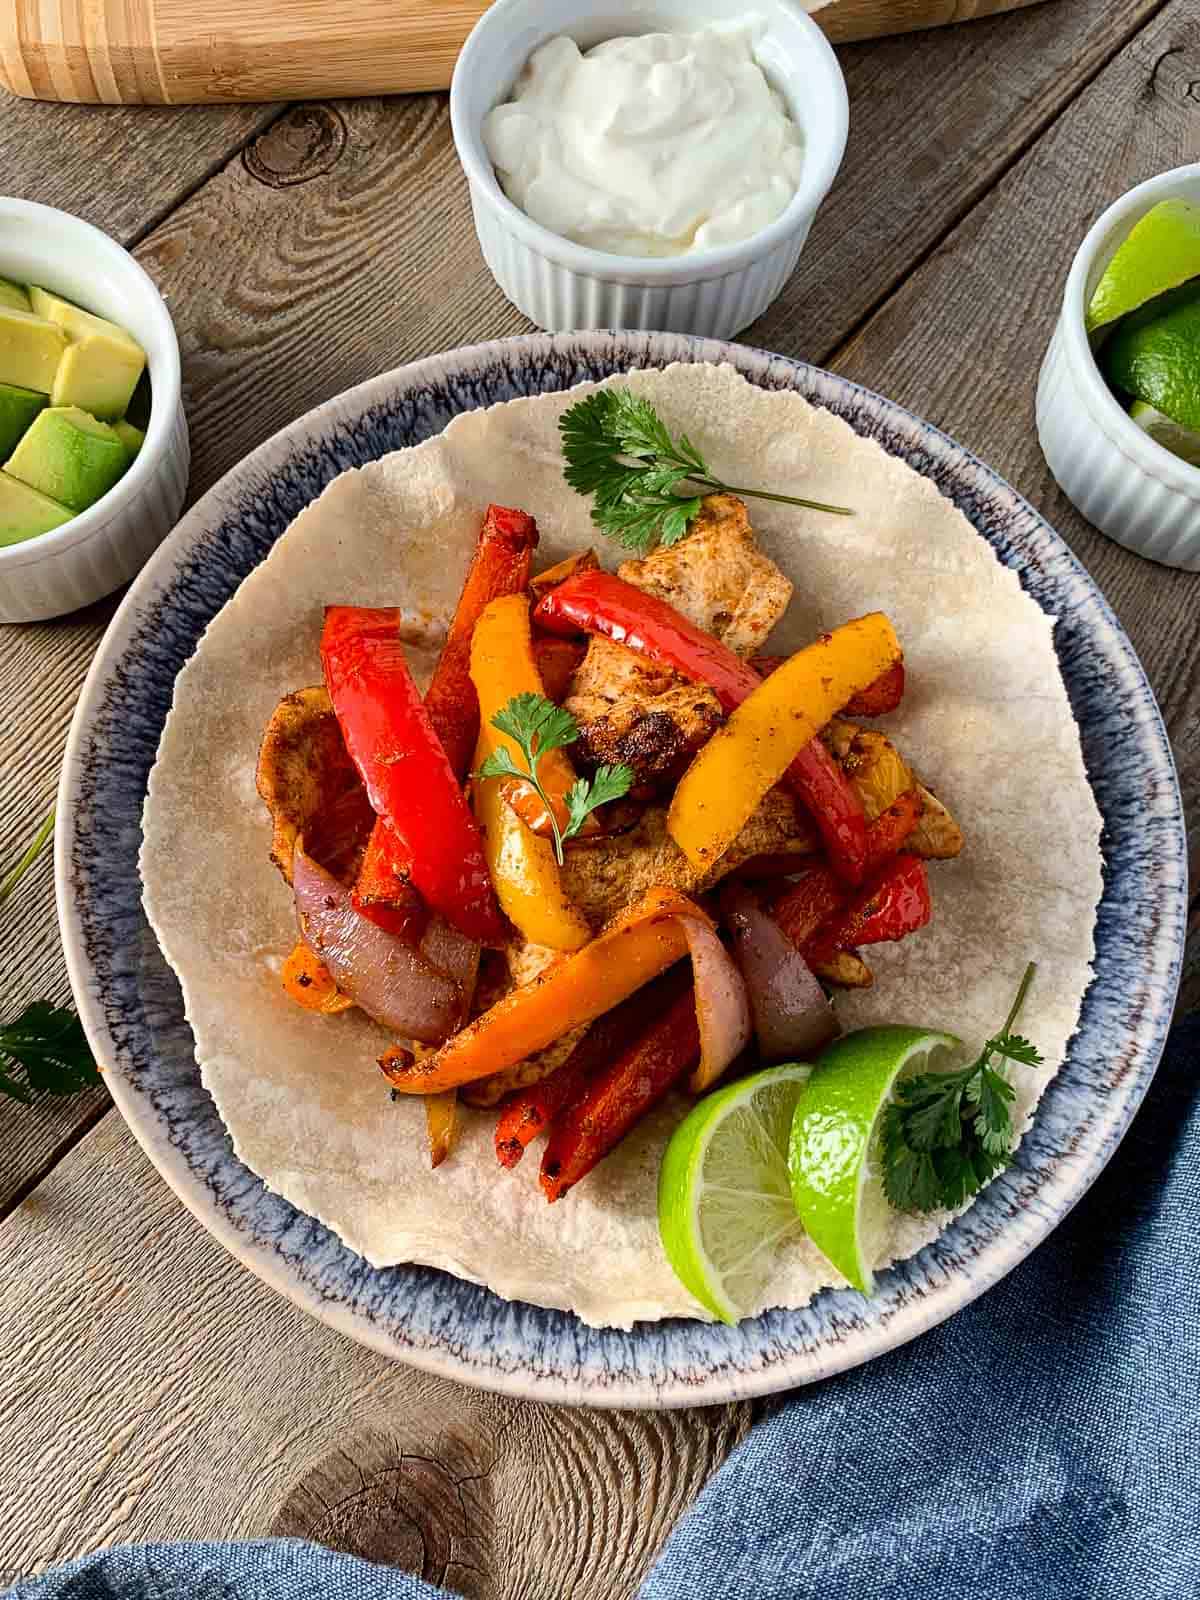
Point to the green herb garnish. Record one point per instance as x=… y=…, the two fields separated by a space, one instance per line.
x=618 y=450
x=946 y=1134
x=536 y=725
x=45 y=1047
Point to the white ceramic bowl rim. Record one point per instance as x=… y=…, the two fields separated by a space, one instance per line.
x=822 y=160
x=164 y=388
x=1112 y=226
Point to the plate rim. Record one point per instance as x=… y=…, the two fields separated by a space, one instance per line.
x=907 y=1321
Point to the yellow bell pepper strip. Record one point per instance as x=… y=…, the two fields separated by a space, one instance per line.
x=729 y=776
x=646 y=939
x=524 y=872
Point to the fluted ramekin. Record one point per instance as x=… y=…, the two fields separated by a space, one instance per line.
x=104 y=546
x=562 y=286
x=1131 y=488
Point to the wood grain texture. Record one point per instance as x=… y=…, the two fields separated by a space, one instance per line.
x=962 y=342
x=133 y=1407
x=121 y=168
x=179 y=52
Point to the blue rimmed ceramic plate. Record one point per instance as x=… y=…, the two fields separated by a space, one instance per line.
x=131 y=1005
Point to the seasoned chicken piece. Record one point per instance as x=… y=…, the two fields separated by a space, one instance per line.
x=717 y=576
x=525 y=962
x=631 y=710
x=310 y=786
x=604 y=878
x=936 y=836
x=646 y=716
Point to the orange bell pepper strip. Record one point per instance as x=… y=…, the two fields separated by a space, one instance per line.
x=523 y=870
x=646 y=939
x=500 y=566
x=878 y=698
x=309 y=982
x=727 y=779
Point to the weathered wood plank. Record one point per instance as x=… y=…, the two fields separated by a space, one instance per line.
x=120 y=167
x=962 y=341
x=346 y=245
x=164 y=1393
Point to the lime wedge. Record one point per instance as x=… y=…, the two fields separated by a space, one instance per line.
x=1161 y=252
x=1158 y=362
x=833 y=1156
x=724 y=1202
x=1180 y=441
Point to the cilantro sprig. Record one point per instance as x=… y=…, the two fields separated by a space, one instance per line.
x=536 y=725
x=618 y=450
x=45 y=1048
x=945 y=1134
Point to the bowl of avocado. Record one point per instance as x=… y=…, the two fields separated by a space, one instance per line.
x=93 y=440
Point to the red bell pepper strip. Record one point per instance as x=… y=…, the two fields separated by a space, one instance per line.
x=600 y=602
x=408 y=779
x=620 y=1096
x=878 y=698
x=894 y=904
x=500 y=566
x=385 y=896
x=529 y=1111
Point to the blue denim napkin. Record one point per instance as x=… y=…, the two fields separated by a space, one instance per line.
x=1042 y=1445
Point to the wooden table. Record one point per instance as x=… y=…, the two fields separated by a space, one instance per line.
x=149 y=1387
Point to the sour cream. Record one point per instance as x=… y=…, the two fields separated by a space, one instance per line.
x=658 y=145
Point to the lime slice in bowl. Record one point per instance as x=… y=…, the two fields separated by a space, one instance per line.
x=724 y=1199
x=833 y=1156
x=1158 y=362
x=1161 y=252
x=1180 y=441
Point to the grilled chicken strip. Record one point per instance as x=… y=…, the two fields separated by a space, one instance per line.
x=633 y=711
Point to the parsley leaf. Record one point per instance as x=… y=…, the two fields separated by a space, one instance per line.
x=643 y=482
x=537 y=725
x=46 y=1044
x=946 y=1134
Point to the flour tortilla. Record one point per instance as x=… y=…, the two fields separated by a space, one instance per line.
x=985 y=722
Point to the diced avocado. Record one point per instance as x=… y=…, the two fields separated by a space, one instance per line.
x=102 y=364
x=24 y=513
x=132 y=438
x=18 y=407
x=13 y=295
x=69 y=456
x=30 y=349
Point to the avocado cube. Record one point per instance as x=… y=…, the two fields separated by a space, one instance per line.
x=18 y=407
x=31 y=348
x=13 y=296
x=102 y=363
x=132 y=438
x=24 y=513
x=69 y=456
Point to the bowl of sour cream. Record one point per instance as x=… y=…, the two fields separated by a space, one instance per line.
x=653 y=165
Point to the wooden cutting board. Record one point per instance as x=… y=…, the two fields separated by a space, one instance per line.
x=184 y=52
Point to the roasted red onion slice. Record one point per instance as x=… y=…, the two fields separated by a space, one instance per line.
x=792 y=1017
x=394 y=982
x=722 y=1005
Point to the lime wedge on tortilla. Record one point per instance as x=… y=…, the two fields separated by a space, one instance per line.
x=1157 y=361
x=834 y=1150
x=724 y=1201
x=1161 y=252
x=1180 y=441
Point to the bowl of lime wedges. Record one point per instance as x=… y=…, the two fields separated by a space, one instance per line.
x=1118 y=405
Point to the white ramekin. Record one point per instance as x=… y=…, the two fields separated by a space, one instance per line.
x=562 y=286
x=1132 y=489
x=104 y=546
